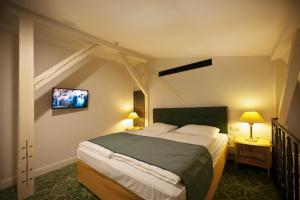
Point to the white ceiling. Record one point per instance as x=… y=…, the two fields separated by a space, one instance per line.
x=175 y=28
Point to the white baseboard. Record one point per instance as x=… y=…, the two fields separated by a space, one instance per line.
x=5 y=183
x=40 y=171
x=54 y=166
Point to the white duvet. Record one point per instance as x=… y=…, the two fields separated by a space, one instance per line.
x=150 y=169
x=147 y=168
x=96 y=149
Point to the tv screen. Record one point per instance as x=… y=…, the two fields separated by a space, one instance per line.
x=69 y=98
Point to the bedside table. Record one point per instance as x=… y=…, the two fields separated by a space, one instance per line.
x=256 y=153
x=231 y=152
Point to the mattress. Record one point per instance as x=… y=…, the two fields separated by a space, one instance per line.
x=144 y=184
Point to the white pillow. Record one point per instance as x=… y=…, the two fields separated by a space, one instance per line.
x=202 y=130
x=161 y=127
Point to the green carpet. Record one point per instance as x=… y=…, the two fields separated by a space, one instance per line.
x=245 y=183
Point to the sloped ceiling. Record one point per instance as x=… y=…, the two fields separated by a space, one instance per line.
x=175 y=28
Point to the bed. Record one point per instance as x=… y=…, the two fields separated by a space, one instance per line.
x=113 y=179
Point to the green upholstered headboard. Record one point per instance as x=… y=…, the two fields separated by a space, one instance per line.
x=211 y=116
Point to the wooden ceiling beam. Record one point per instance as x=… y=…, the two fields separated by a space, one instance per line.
x=139 y=83
x=62 y=66
x=133 y=74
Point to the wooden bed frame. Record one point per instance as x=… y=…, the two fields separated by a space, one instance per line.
x=107 y=189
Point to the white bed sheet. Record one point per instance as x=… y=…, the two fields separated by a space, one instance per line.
x=144 y=184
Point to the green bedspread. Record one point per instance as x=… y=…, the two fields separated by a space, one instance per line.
x=192 y=163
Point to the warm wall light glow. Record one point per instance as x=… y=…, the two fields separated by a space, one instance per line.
x=249 y=102
x=260 y=130
x=244 y=127
x=126 y=107
x=127 y=123
x=123 y=125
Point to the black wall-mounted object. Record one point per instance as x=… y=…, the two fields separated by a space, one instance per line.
x=69 y=98
x=183 y=68
x=139 y=107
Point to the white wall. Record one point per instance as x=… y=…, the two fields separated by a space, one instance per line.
x=8 y=107
x=58 y=132
x=241 y=83
x=294 y=114
x=280 y=68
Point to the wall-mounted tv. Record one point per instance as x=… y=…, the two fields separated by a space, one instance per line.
x=69 y=98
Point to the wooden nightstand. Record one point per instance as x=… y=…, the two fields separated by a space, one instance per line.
x=257 y=153
x=230 y=151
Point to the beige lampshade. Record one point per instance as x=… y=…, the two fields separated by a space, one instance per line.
x=133 y=115
x=251 y=117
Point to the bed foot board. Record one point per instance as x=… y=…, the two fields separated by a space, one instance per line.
x=102 y=186
x=218 y=171
x=107 y=189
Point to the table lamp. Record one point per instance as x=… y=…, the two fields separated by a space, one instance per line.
x=133 y=116
x=251 y=117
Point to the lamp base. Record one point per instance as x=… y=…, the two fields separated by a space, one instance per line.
x=135 y=128
x=251 y=140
